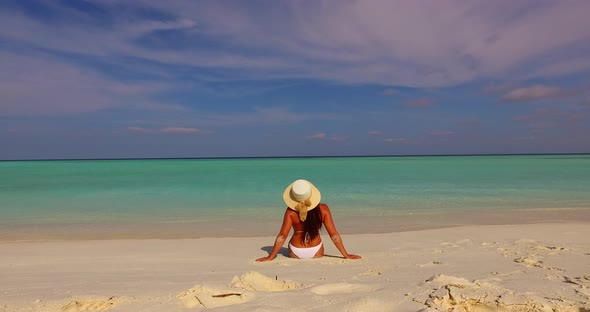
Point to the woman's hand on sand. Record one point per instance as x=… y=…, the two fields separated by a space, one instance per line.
x=267 y=258
x=351 y=256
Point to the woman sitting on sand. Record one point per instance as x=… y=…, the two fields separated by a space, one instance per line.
x=306 y=215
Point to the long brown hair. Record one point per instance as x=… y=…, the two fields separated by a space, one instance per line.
x=312 y=224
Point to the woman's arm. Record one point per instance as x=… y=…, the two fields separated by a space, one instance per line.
x=283 y=233
x=334 y=235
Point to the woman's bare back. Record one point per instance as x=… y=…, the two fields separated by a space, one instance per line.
x=298 y=239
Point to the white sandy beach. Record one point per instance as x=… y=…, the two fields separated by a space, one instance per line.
x=534 y=267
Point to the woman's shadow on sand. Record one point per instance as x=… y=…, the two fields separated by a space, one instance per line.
x=283 y=251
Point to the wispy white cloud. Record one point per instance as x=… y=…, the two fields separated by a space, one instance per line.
x=38 y=85
x=169 y=130
x=318 y=136
x=339 y=138
x=538 y=92
x=139 y=130
x=173 y=65
x=375 y=133
x=175 y=130
x=325 y=136
x=390 y=43
x=396 y=140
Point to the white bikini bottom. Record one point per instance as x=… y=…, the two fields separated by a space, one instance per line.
x=305 y=253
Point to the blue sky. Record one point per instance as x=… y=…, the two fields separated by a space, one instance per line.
x=117 y=78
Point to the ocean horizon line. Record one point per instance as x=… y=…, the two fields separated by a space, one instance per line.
x=294 y=157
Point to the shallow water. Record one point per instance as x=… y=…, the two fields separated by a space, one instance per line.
x=132 y=193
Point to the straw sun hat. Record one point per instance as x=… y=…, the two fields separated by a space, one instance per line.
x=302 y=196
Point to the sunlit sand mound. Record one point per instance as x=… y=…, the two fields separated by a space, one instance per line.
x=91 y=304
x=207 y=297
x=460 y=295
x=254 y=281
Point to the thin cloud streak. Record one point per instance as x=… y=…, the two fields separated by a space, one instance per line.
x=396 y=140
x=325 y=136
x=174 y=130
x=169 y=130
x=537 y=93
x=338 y=138
x=318 y=136
x=139 y=130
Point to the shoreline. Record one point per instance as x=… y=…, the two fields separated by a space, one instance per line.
x=349 y=225
x=534 y=267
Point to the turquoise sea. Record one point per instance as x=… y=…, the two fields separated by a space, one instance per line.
x=54 y=194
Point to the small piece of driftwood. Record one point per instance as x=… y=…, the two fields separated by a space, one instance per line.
x=226 y=295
